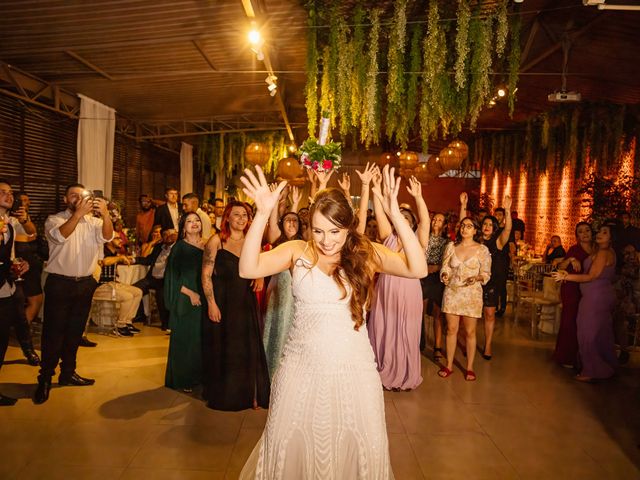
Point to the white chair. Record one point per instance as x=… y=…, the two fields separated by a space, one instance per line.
x=544 y=306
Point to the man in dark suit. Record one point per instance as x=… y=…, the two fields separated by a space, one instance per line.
x=167 y=215
x=157 y=261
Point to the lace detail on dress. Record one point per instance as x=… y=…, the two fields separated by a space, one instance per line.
x=326 y=419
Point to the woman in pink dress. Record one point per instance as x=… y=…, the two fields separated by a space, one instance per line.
x=395 y=320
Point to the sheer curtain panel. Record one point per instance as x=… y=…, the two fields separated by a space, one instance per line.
x=186 y=169
x=96 y=132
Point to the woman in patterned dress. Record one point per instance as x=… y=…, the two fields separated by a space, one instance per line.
x=465 y=268
x=326 y=416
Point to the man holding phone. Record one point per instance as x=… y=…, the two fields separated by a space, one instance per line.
x=75 y=238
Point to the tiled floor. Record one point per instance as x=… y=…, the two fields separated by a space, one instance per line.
x=524 y=418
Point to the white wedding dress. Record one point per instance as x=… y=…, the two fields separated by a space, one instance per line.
x=326 y=416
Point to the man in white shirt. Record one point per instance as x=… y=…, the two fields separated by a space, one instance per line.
x=191 y=203
x=76 y=239
x=9 y=304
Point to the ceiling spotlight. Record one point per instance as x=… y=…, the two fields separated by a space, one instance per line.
x=271 y=87
x=271 y=79
x=273 y=92
x=502 y=92
x=258 y=52
x=254 y=37
x=292 y=148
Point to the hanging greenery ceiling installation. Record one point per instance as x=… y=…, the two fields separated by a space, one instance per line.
x=430 y=59
x=582 y=135
x=224 y=153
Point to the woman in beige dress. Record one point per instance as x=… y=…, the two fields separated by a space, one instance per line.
x=466 y=266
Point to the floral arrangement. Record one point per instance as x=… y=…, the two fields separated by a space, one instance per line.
x=321 y=155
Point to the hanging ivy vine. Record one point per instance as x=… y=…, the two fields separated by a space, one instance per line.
x=587 y=135
x=395 y=74
x=347 y=70
x=311 y=87
x=370 y=126
x=462 y=43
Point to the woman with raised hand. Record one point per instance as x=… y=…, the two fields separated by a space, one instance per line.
x=395 y=320
x=327 y=408
x=496 y=241
x=465 y=268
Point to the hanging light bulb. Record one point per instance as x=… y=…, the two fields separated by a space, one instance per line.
x=502 y=92
x=254 y=37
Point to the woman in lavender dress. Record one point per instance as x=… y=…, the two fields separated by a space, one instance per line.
x=395 y=320
x=596 y=342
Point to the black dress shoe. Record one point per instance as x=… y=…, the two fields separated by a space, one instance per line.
x=42 y=392
x=132 y=328
x=124 y=332
x=7 y=401
x=32 y=357
x=75 y=380
x=85 y=342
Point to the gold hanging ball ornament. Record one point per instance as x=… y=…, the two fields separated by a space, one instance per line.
x=450 y=158
x=434 y=167
x=462 y=147
x=256 y=154
x=289 y=169
x=408 y=160
x=421 y=172
x=386 y=158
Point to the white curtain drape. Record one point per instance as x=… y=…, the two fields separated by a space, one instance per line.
x=96 y=135
x=186 y=169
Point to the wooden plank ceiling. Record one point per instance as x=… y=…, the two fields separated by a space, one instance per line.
x=175 y=66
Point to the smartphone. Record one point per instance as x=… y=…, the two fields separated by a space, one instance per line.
x=17 y=204
x=98 y=194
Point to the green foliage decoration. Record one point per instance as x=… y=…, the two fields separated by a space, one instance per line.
x=514 y=62
x=396 y=101
x=415 y=66
x=462 y=43
x=480 y=33
x=359 y=74
x=502 y=28
x=344 y=82
x=311 y=87
x=370 y=125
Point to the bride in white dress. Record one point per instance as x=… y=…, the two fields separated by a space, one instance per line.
x=326 y=417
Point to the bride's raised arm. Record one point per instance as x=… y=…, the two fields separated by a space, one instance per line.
x=412 y=263
x=254 y=264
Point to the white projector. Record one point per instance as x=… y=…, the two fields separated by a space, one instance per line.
x=564 y=97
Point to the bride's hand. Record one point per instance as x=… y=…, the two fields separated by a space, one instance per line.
x=389 y=195
x=258 y=190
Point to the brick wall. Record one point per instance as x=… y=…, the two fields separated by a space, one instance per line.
x=548 y=204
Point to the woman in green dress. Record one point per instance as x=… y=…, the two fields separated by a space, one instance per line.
x=183 y=294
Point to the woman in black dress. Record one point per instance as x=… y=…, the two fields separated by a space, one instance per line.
x=235 y=365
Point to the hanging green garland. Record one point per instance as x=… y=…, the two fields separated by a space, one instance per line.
x=514 y=62
x=359 y=75
x=415 y=66
x=502 y=28
x=344 y=80
x=395 y=73
x=370 y=126
x=462 y=43
x=326 y=94
x=480 y=67
x=311 y=87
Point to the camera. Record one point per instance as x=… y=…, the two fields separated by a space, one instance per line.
x=17 y=204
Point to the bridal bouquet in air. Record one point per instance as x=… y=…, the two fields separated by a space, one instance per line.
x=321 y=155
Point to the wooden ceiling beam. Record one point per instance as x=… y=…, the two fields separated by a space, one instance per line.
x=88 y=64
x=204 y=55
x=558 y=45
x=532 y=35
x=208 y=132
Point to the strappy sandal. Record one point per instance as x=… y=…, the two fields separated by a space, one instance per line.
x=444 y=372
x=470 y=376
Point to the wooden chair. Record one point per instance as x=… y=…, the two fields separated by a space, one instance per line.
x=529 y=293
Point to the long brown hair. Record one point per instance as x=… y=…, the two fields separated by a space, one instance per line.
x=358 y=258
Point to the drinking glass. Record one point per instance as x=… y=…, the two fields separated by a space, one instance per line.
x=15 y=268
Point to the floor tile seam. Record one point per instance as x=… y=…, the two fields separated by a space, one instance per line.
x=596 y=461
x=235 y=445
x=490 y=438
x=415 y=455
x=395 y=408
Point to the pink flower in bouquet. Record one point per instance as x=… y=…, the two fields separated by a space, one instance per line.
x=314 y=165
x=327 y=164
